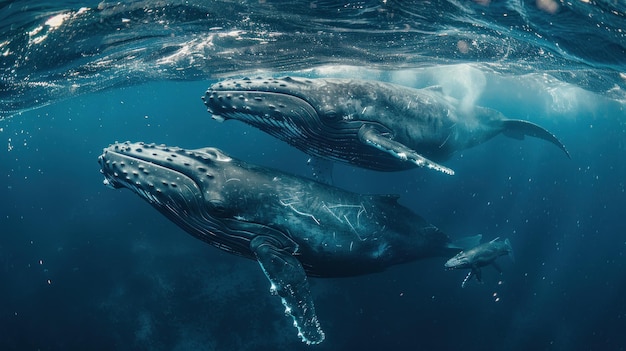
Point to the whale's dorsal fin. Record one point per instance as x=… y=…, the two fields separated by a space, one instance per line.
x=288 y=280
x=377 y=136
x=435 y=88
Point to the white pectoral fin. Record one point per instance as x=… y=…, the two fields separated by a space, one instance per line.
x=467 y=278
x=289 y=281
x=372 y=135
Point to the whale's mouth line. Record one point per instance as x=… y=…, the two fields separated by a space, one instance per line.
x=135 y=172
x=244 y=97
x=149 y=160
x=284 y=86
x=454 y=264
x=244 y=90
x=258 y=91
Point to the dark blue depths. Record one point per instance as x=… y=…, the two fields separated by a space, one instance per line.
x=85 y=267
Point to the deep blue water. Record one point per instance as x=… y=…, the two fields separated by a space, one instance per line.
x=86 y=267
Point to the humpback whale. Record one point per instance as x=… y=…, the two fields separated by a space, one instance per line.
x=480 y=256
x=294 y=227
x=370 y=124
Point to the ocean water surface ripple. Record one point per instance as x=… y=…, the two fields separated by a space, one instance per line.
x=52 y=50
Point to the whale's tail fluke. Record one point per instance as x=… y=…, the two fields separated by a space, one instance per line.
x=517 y=129
x=510 y=249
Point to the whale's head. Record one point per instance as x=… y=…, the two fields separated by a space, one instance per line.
x=286 y=108
x=172 y=179
x=279 y=101
x=461 y=260
x=261 y=100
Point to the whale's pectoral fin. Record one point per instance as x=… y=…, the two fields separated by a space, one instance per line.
x=467 y=278
x=322 y=169
x=378 y=137
x=496 y=266
x=288 y=280
x=477 y=273
x=517 y=129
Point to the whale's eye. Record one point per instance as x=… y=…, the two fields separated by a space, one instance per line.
x=218 y=207
x=331 y=115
